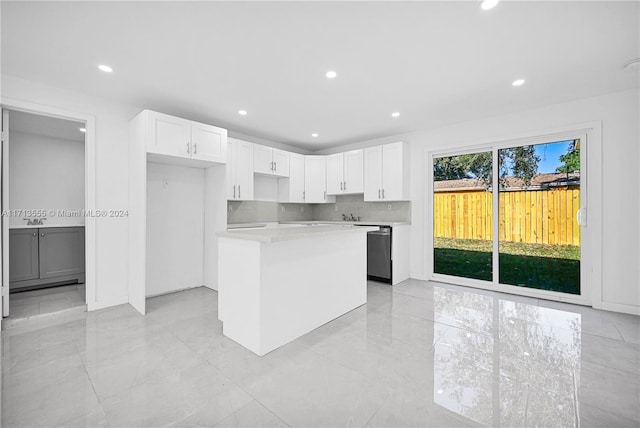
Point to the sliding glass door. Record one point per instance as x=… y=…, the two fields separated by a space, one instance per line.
x=507 y=217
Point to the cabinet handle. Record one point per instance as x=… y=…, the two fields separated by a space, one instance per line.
x=379 y=194
x=345 y=185
x=275 y=165
x=271 y=165
x=325 y=195
x=382 y=193
x=188 y=149
x=303 y=195
x=341 y=185
x=42 y=234
x=239 y=192
x=234 y=191
x=35 y=233
x=195 y=149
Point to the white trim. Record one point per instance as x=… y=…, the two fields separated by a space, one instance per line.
x=591 y=235
x=108 y=303
x=90 y=184
x=620 y=307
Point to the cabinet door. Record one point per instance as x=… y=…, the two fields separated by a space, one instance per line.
x=335 y=175
x=169 y=135
x=315 y=179
x=262 y=159
x=232 y=166
x=61 y=251
x=23 y=254
x=353 y=172
x=281 y=163
x=244 y=170
x=208 y=143
x=296 y=178
x=373 y=173
x=392 y=172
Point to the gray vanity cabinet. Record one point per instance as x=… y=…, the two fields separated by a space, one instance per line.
x=45 y=256
x=23 y=251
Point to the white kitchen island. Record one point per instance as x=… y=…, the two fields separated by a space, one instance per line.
x=275 y=285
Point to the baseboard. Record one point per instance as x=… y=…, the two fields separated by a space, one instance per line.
x=94 y=306
x=621 y=307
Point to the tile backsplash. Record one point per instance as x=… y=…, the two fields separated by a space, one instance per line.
x=367 y=211
x=266 y=211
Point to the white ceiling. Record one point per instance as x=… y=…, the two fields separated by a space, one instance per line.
x=44 y=125
x=435 y=62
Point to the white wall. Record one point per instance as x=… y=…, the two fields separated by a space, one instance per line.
x=175 y=228
x=618 y=214
x=46 y=173
x=111 y=177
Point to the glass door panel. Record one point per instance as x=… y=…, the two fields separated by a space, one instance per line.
x=463 y=215
x=539 y=199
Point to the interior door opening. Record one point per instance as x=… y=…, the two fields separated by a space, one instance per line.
x=43 y=215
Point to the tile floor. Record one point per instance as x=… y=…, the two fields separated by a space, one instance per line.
x=419 y=354
x=30 y=303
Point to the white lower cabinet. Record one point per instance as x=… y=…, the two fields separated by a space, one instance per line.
x=240 y=170
x=315 y=180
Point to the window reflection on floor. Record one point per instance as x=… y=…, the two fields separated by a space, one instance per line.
x=531 y=356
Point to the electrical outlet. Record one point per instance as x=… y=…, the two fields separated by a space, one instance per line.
x=165 y=183
x=302 y=208
x=281 y=208
x=389 y=207
x=335 y=207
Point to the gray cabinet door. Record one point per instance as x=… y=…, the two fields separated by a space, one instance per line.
x=61 y=251
x=23 y=254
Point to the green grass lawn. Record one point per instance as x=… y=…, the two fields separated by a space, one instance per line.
x=546 y=267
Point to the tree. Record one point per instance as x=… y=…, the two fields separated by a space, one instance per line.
x=521 y=162
x=571 y=159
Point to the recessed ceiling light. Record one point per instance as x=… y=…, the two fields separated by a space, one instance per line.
x=242 y=112
x=488 y=4
x=83 y=129
x=105 y=68
x=518 y=82
x=314 y=135
x=331 y=74
x=395 y=114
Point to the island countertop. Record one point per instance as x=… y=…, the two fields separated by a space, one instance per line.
x=293 y=233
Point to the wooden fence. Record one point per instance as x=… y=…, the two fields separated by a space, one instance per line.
x=532 y=216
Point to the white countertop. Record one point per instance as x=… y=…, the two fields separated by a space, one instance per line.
x=292 y=233
x=359 y=223
x=42 y=226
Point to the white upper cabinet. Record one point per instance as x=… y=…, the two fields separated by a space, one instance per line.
x=208 y=143
x=386 y=172
x=191 y=143
x=345 y=173
x=270 y=161
x=315 y=180
x=240 y=170
x=291 y=189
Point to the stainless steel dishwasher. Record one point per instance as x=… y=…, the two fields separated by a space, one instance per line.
x=379 y=254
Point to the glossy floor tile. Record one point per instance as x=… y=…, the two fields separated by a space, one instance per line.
x=27 y=304
x=419 y=354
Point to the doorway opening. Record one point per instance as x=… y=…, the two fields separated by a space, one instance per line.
x=43 y=209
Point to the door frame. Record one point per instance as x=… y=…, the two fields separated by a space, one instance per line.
x=90 y=229
x=590 y=201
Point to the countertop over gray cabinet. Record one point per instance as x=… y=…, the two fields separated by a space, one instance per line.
x=45 y=255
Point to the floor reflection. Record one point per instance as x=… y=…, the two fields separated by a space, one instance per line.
x=498 y=360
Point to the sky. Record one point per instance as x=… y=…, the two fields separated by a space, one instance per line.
x=550 y=154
